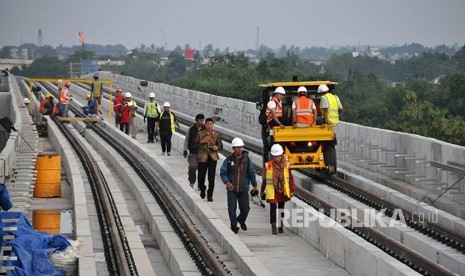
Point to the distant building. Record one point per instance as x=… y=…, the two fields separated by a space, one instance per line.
x=189 y=54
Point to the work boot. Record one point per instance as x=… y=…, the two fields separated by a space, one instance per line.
x=274 y=230
x=243 y=226
x=281 y=228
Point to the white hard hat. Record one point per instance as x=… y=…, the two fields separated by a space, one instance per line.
x=166 y=104
x=276 y=150
x=26 y=100
x=280 y=90
x=152 y=95
x=128 y=95
x=237 y=142
x=302 y=89
x=322 y=88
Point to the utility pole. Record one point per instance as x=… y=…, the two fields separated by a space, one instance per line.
x=258 y=37
x=39 y=38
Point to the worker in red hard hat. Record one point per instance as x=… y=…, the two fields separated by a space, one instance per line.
x=116 y=103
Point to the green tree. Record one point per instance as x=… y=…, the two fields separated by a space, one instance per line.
x=176 y=66
x=45 y=67
x=144 y=66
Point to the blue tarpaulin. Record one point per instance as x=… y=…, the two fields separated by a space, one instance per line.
x=5 y=202
x=31 y=247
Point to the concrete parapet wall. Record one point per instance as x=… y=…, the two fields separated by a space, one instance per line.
x=9 y=108
x=236 y=114
x=403 y=156
x=407 y=157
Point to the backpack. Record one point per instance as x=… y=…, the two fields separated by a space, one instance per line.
x=262 y=116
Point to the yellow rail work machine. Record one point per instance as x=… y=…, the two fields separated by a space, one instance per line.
x=311 y=147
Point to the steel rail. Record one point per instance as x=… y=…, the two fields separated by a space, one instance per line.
x=394 y=248
x=120 y=261
x=215 y=266
x=451 y=238
x=97 y=181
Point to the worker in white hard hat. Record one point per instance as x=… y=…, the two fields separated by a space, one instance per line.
x=277 y=186
x=151 y=113
x=238 y=173
x=275 y=108
x=303 y=110
x=275 y=117
x=330 y=106
x=166 y=125
x=133 y=105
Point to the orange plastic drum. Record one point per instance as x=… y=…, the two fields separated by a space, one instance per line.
x=48 y=182
x=46 y=221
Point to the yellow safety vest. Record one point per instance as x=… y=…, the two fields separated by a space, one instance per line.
x=269 y=188
x=151 y=110
x=172 y=122
x=333 y=109
x=97 y=86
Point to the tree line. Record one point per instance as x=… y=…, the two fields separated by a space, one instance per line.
x=424 y=94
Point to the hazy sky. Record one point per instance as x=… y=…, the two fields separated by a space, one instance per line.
x=234 y=23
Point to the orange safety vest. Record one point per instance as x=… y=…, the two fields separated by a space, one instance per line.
x=303 y=110
x=56 y=110
x=64 y=96
x=41 y=106
x=278 y=111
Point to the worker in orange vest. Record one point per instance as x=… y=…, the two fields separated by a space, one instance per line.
x=303 y=110
x=65 y=98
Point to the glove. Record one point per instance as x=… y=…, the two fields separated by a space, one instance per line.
x=185 y=154
x=263 y=195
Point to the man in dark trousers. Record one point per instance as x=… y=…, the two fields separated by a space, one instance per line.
x=151 y=113
x=165 y=125
x=237 y=172
x=189 y=144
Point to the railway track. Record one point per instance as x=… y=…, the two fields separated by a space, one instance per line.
x=118 y=255
x=410 y=257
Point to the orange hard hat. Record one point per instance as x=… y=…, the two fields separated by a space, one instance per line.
x=67 y=83
x=118 y=89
